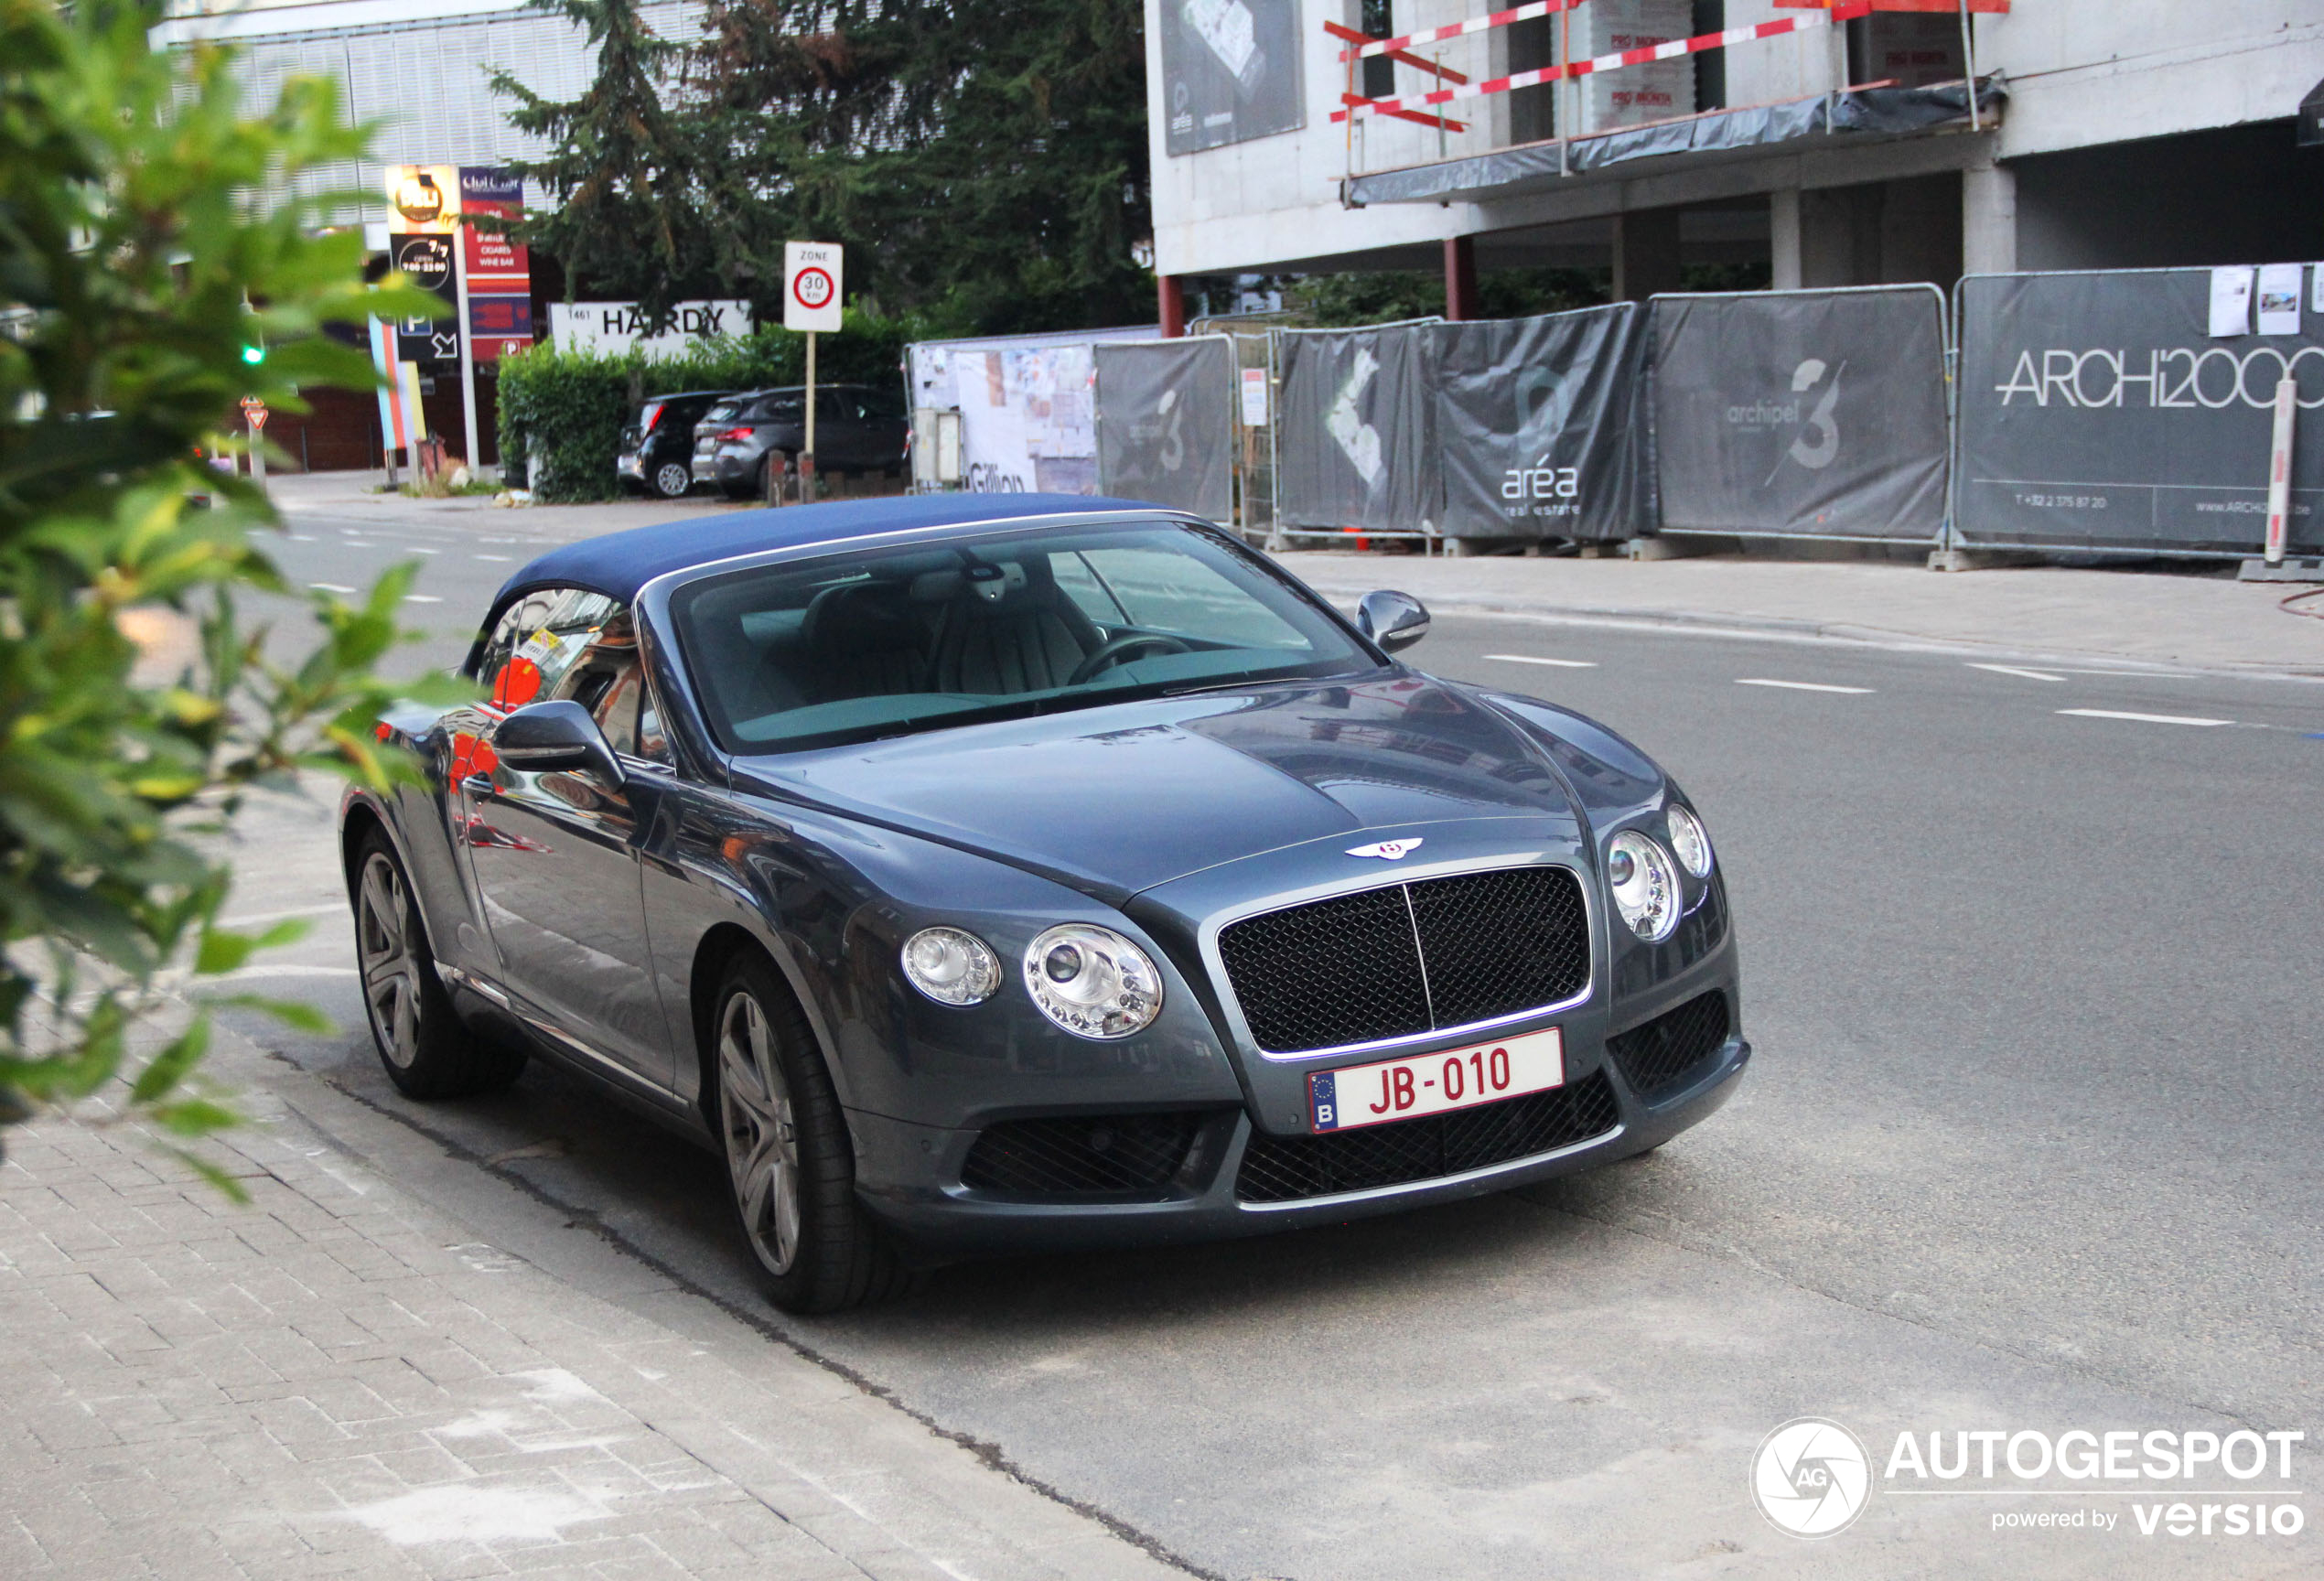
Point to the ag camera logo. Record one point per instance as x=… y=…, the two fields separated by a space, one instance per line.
x=1810 y=1477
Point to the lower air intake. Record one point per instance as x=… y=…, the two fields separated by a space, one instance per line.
x=1102 y=1155
x=1668 y=1052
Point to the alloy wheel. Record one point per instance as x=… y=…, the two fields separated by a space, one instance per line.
x=673 y=478
x=761 y=1134
x=390 y=969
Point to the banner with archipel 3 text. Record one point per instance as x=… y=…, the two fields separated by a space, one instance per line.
x=1166 y=423
x=1813 y=414
x=2121 y=410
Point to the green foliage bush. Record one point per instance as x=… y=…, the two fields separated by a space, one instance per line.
x=567 y=408
x=140 y=221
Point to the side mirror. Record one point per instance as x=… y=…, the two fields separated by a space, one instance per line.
x=1394 y=620
x=544 y=738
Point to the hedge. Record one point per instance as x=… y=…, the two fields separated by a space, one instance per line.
x=570 y=406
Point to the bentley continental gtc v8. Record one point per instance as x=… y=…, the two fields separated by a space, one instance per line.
x=996 y=873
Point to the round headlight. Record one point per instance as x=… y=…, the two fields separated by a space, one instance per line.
x=1645 y=885
x=1091 y=981
x=950 y=966
x=1689 y=839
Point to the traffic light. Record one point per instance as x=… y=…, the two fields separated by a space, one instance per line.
x=253 y=351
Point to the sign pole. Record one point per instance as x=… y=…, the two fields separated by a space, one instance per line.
x=810 y=301
x=2279 y=471
x=807 y=456
x=468 y=368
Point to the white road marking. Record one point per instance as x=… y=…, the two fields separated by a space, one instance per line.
x=2140 y=718
x=415 y=549
x=330 y=587
x=2141 y=675
x=300 y=537
x=496 y=559
x=1810 y=686
x=422 y=598
x=2013 y=670
x=1530 y=659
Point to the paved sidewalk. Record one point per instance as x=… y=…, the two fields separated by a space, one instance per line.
x=2211 y=622
x=339 y=1380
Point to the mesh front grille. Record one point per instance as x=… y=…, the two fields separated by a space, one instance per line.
x=1286 y=1169
x=1350 y=969
x=1081 y=1157
x=1667 y=1052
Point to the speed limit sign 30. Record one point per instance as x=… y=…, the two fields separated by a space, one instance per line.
x=811 y=286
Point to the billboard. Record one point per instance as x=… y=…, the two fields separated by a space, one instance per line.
x=1230 y=71
x=613 y=328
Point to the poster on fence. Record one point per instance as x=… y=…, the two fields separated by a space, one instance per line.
x=2098 y=412
x=1812 y=414
x=1027 y=411
x=1537 y=420
x=1166 y=423
x=1356 y=448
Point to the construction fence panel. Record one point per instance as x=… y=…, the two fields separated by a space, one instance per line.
x=2107 y=411
x=1166 y=423
x=1356 y=446
x=1802 y=414
x=1540 y=425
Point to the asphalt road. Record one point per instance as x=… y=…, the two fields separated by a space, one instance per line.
x=2031 y=968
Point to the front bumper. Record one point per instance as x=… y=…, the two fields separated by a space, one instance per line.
x=902 y=1174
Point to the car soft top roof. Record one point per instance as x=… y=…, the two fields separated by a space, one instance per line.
x=619 y=564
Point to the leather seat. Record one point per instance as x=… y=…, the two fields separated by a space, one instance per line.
x=861 y=639
x=1030 y=639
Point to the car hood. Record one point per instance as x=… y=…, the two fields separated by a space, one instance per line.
x=1116 y=800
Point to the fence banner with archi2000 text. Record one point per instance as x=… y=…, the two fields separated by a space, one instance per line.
x=2098 y=411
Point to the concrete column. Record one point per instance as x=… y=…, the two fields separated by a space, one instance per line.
x=1988 y=220
x=1645 y=253
x=1169 y=293
x=1460 y=277
x=1783 y=234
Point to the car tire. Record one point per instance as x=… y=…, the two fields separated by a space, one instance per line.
x=791 y=1169
x=428 y=1050
x=673 y=480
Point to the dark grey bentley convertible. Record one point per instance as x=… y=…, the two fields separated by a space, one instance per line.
x=992 y=873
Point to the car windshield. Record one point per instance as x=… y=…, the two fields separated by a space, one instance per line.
x=892 y=641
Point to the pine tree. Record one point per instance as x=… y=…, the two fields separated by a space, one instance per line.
x=626 y=218
x=984 y=159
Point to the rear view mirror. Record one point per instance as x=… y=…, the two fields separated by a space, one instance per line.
x=545 y=738
x=1394 y=620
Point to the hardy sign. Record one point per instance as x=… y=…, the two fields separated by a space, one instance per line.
x=811 y=286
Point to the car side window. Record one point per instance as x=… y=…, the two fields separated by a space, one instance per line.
x=1176 y=592
x=538 y=641
x=1077 y=582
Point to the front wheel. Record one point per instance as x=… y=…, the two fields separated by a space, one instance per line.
x=789 y=1167
x=428 y=1050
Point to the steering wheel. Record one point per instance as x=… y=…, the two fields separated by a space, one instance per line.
x=1110 y=654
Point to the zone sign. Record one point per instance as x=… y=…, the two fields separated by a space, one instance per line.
x=811 y=286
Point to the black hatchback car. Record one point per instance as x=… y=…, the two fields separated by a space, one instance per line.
x=657 y=448
x=857 y=429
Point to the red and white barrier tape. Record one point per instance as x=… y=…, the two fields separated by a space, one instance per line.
x=1848 y=11
x=1457 y=29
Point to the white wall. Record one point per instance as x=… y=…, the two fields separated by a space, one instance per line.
x=2081 y=72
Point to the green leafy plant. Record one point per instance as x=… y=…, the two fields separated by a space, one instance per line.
x=147 y=241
